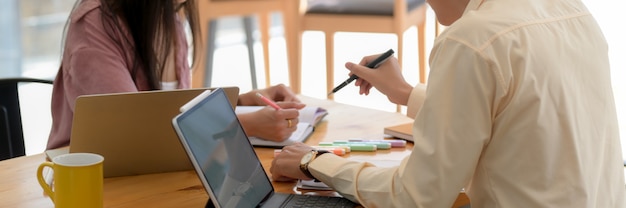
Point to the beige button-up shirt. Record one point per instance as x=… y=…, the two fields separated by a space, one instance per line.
x=518 y=110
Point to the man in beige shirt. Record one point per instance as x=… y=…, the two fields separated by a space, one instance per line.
x=519 y=111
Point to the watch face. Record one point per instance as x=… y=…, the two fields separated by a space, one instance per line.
x=306 y=158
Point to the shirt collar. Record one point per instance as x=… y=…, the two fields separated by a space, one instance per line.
x=472 y=5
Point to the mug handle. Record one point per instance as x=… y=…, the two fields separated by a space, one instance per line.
x=42 y=182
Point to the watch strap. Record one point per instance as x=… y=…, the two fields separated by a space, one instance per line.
x=305 y=168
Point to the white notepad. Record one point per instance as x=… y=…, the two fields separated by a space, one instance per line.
x=308 y=119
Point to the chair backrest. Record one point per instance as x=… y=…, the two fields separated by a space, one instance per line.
x=11 y=133
x=210 y=10
x=369 y=16
x=362 y=7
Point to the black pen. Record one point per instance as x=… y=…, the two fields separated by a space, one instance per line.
x=372 y=65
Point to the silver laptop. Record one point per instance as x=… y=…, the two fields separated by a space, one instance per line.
x=133 y=130
x=226 y=162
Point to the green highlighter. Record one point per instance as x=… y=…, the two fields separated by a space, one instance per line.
x=381 y=145
x=355 y=147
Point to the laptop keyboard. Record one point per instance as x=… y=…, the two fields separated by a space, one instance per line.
x=303 y=201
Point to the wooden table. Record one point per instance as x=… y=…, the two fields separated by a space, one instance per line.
x=19 y=186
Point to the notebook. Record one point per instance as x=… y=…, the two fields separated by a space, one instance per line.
x=133 y=131
x=401 y=131
x=309 y=117
x=224 y=159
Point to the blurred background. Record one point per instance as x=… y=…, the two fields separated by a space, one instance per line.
x=31 y=36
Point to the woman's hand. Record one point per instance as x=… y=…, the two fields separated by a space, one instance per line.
x=276 y=93
x=271 y=124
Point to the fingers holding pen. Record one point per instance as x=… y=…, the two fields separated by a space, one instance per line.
x=288 y=105
x=289 y=112
x=386 y=78
x=364 y=86
x=287 y=120
x=365 y=75
x=273 y=124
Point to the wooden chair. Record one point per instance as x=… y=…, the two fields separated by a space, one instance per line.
x=211 y=10
x=388 y=16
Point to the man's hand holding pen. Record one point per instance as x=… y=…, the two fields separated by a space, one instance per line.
x=387 y=78
x=373 y=64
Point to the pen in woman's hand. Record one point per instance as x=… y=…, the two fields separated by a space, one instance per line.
x=268 y=101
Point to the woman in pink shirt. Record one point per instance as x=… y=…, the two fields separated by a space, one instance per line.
x=114 y=46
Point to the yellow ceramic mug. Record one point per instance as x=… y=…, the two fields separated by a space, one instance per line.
x=77 y=180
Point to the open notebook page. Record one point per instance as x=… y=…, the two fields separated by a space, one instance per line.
x=309 y=117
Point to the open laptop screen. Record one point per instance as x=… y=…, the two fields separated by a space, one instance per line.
x=221 y=152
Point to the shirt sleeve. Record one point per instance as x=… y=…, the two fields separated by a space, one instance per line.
x=98 y=71
x=95 y=63
x=416 y=100
x=451 y=128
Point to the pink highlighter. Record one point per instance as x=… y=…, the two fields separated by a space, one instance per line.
x=268 y=101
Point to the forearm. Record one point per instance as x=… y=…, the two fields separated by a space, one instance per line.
x=401 y=94
x=246 y=99
x=245 y=120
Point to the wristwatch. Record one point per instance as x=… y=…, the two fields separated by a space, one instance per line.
x=306 y=160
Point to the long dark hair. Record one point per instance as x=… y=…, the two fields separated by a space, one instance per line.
x=151 y=24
